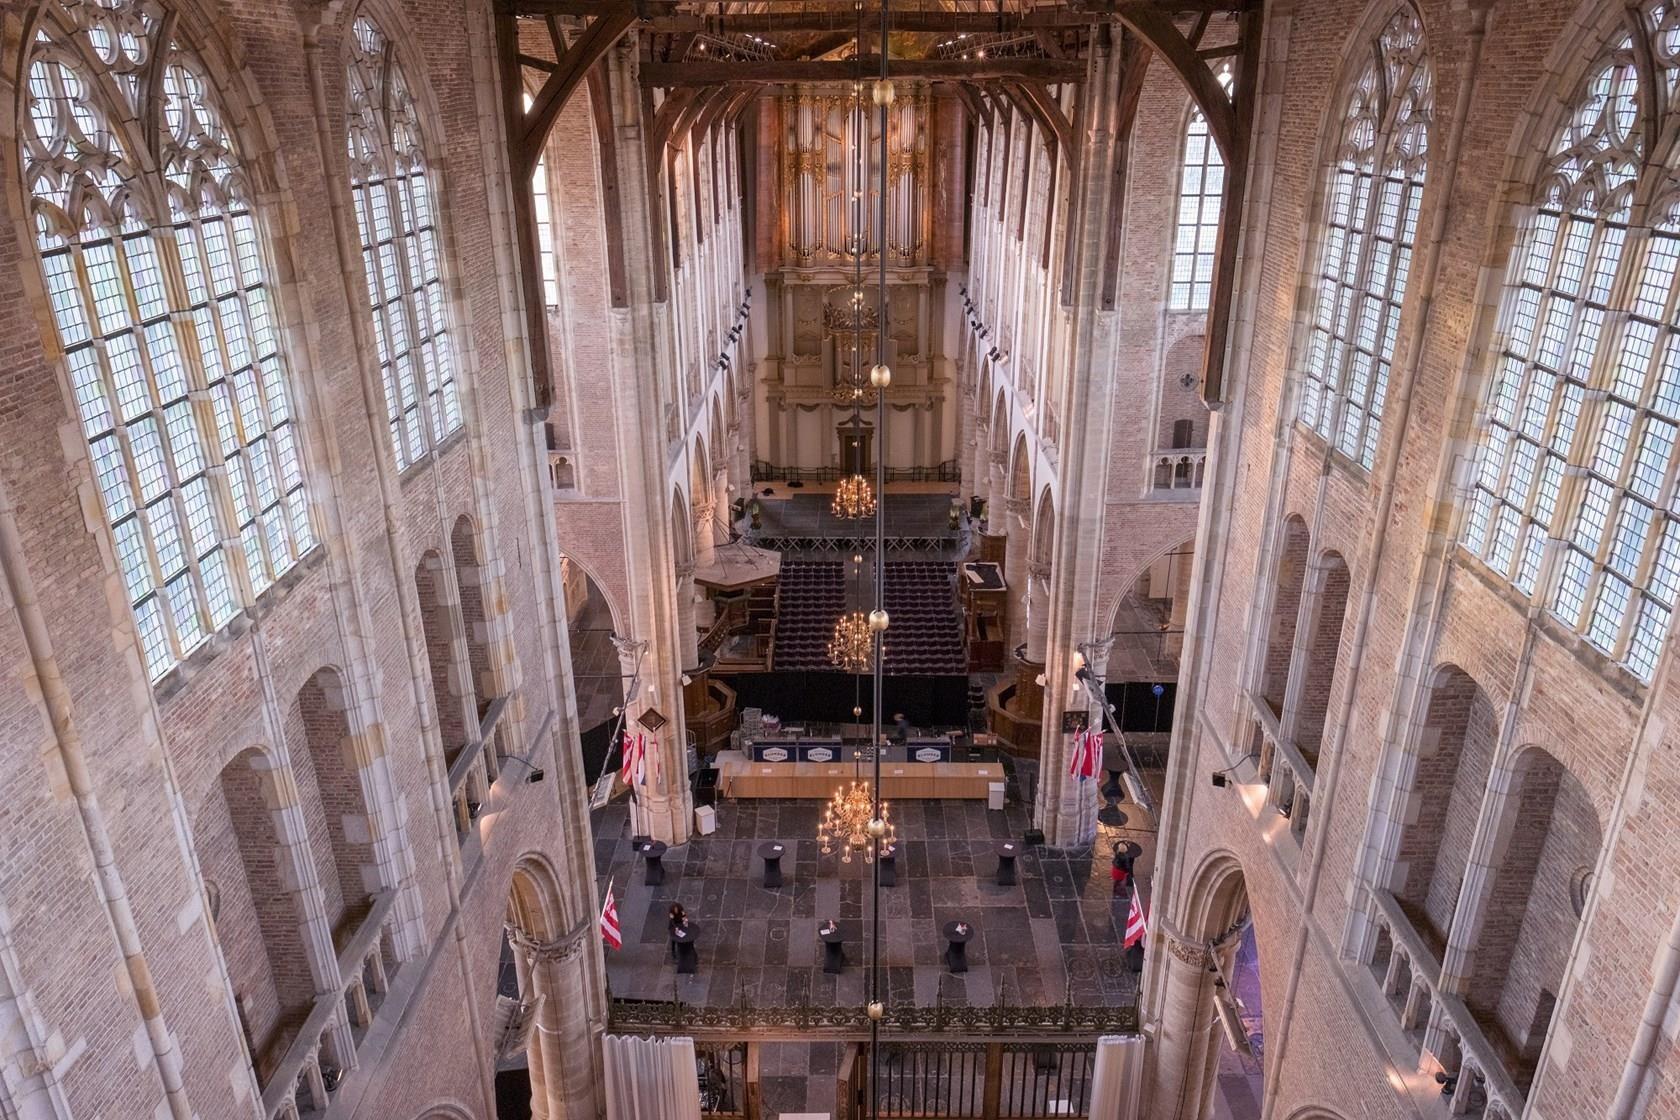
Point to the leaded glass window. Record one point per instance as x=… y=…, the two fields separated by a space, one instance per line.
x=1371 y=208
x=1201 y=191
x=1579 y=429
x=394 y=194
x=155 y=272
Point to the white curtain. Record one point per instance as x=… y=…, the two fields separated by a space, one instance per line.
x=651 y=1077
x=1114 y=1087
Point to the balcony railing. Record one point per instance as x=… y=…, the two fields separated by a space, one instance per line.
x=475 y=767
x=1175 y=472
x=948 y=471
x=314 y=1065
x=1450 y=1036
x=642 y=1016
x=1287 y=776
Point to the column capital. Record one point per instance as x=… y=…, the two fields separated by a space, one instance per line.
x=630 y=651
x=1096 y=653
x=684 y=571
x=1038 y=573
x=1016 y=507
x=1189 y=952
x=551 y=951
x=999 y=460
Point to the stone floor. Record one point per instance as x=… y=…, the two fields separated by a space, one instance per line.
x=1053 y=937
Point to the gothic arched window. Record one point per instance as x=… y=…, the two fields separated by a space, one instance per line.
x=155 y=273
x=1579 y=428
x=1371 y=214
x=395 y=202
x=1201 y=191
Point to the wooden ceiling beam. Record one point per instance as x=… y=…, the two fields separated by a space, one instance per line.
x=571 y=70
x=670 y=75
x=665 y=15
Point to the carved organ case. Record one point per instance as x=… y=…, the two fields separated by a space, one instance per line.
x=821 y=170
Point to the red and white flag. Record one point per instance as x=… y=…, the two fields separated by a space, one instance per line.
x=635 y=756
x=1137 y=922
x=609 y=920
x=1087 y=747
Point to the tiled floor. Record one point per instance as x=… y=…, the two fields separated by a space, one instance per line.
x=1054 y=936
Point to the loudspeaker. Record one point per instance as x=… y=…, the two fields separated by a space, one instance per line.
x=1033 y=836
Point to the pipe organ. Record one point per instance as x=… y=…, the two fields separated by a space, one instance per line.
x=822 y=172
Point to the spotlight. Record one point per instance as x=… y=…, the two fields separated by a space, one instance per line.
x=1220 y=781
x=534 y=777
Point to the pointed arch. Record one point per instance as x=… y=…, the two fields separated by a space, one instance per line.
x=1577 y=432
x=157 y=274
x=466 y=549
x=682 y=531
x=394 y=192
x=1020 y=471
x=1201 y=192
x=1369 y=215
x=1044 y=528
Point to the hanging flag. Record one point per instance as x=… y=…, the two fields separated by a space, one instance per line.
x=634 y=766
x=1137 y=922
x=1086 y=753
x=609 y=920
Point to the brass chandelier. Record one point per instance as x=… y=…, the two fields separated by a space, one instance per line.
x=852 y=648
x=850 y=823
x=854 y=499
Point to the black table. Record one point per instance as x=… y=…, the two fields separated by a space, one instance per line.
x=771 y=854
x=688 y=960
x=957 y=934
x=1006 y=853
x=834 y=948
x=889 y=867
x=653 y=851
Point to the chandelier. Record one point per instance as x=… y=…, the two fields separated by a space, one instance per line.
x=847 y=822
x=852 y=648
x=854 y=499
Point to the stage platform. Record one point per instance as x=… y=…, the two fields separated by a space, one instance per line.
x=900 y=781
x=803 y=522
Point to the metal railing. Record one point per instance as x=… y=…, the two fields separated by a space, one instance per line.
x=948 y=471
x=316 y=1061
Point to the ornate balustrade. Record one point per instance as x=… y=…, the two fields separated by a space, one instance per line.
x=1287 y=776
x=844 y=1022
x=324 y=1050
x=1452 y=1039
x=1175 y=473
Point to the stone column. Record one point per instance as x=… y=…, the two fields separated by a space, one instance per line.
x=1038 y=611
x=997 y=492
x=1015 y=569
x=688 y=633
x=1187 y=1040
x=562 y=1042
x=978 y=465
x=1092 y=332
x=705 y=528
x=641 y=345
x=535 y=1067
